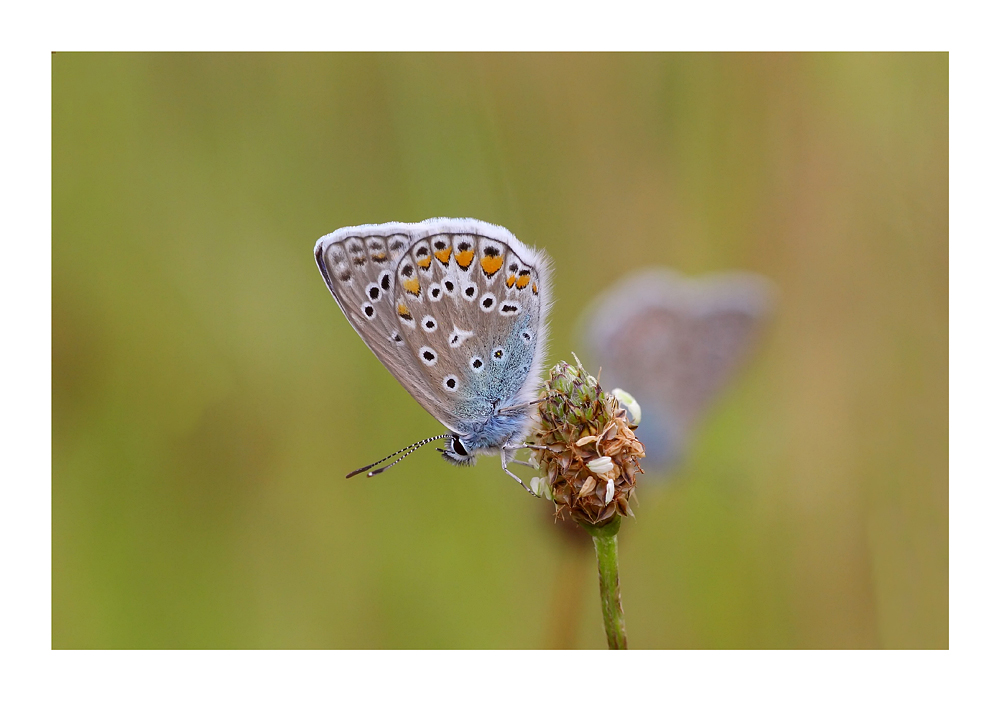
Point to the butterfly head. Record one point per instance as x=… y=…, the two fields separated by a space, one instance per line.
x=456 y=452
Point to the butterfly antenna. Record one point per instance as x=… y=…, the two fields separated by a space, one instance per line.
x=377 y=462
x=407 y=450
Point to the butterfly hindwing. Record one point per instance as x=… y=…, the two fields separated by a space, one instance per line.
x=436 y=302
x=473 y=336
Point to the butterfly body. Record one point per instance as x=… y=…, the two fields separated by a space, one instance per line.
x=455 y=309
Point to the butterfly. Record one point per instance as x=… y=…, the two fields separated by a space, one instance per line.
x=456 y=310
x=674 y=343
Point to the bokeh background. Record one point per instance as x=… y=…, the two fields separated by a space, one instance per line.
x=209 y=396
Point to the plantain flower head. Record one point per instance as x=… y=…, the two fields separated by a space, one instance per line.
x=591 y=457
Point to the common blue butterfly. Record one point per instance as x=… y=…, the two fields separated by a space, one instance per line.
x=455 y=309
x=674 y=342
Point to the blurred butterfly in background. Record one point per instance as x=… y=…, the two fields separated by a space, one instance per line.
x=674 y=342
x=455 y=309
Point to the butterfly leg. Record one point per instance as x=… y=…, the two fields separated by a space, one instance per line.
x=503 y=464
x=530 y=445
x=521 y=462
x=517 y=407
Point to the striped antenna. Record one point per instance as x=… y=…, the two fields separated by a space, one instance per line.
x=406 y=451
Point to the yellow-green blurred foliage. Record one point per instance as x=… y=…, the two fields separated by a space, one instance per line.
x=209 y=396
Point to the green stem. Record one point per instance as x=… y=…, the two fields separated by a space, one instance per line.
x=606 y=545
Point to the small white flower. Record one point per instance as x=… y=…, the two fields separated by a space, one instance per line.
x=600 y=465
x=628 y=401
x=540 y=486
x=609 y=491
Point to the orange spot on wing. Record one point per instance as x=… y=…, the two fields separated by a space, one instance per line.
x=534 y=288
x=412 y=286
x=443 y=255
x=491 y=264
x=511 y=280
x=522 y=281
x=464 y=258
x=424 y=262
x=404 y=311
x=378 y=257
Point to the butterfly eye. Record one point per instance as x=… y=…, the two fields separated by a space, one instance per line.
x=456 y=445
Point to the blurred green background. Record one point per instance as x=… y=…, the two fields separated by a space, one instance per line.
x=209 y=396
